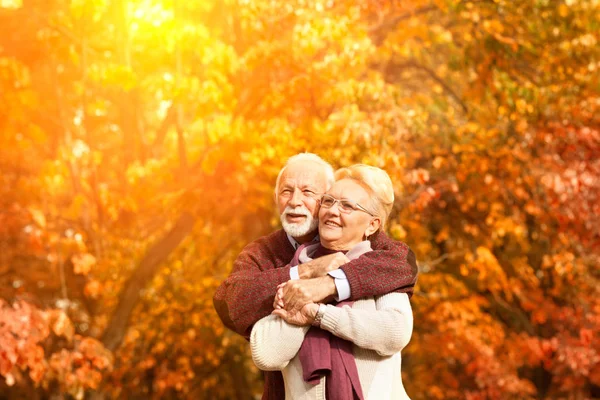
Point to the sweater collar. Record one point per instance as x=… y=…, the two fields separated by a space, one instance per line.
x=359 y=249
x=295 y=243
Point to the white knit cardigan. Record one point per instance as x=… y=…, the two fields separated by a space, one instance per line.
x=378 y=327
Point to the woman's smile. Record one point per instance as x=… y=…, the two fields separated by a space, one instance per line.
x=331 y=224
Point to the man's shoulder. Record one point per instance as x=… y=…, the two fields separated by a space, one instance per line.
x=277 y=237
x=276 y=241
x=381 y=241
x=269 y=250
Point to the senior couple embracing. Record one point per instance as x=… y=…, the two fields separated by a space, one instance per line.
x=325 y=300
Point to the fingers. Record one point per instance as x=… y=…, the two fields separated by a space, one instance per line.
x=289 y=290
x=299 y=297
x=290 y=301
x=292 y=294
x=341 y=259
x=278 y=302
x=336 y=261
x=279 y=299
x=284 y=315
x=294 y=318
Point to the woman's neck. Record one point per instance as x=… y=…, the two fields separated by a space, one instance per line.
x=339 y=246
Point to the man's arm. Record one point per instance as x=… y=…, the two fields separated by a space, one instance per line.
x=247 y=294
x=390 y=267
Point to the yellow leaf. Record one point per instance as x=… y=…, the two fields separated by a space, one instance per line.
x=83 y=263
x=397 y=231
x=92 y=289
x=61 y=325
x=38 y=217
x=563 y=10
x=522 y=126
x=442 y=235
x=438 y=162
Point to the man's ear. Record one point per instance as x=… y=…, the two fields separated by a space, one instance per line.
x=373 y=227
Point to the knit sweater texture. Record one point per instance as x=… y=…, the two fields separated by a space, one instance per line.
x=247 y=294
x=379 y=328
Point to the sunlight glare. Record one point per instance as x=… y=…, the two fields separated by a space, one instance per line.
x=11 y=3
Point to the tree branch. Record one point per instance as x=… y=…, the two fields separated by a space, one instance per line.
x=378 y=33
x=434 y=76
x=428 y=266
x=161 y=133
x=156 y=255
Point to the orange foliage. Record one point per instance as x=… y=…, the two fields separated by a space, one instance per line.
x=120 y=118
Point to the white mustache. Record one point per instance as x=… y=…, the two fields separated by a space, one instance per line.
x=298 y=210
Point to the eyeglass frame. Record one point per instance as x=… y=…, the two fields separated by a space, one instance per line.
x=358 y=206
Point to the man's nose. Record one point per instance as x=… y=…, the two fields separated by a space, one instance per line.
x=296 y=199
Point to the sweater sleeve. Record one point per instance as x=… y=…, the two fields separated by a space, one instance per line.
x=386 y=330
x=274 y=342
x=390 y=267
x=247 y=294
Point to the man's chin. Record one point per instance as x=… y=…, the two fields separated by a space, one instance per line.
x=296 y=231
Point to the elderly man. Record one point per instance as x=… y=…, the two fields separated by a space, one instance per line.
x=248 y=294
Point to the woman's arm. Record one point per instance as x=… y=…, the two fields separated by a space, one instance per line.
x=386 y=330
x=274 y=342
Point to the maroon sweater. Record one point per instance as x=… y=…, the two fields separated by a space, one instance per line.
x=247 y=294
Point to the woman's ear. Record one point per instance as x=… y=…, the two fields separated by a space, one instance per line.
x=373 y=227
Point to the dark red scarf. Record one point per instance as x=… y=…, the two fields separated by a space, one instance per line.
x=324 y=354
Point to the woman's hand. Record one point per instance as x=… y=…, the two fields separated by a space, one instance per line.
x=295 y=294
x=278 y=302
x=304 y=316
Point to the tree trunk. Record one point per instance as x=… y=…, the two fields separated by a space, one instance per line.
x=156 y=255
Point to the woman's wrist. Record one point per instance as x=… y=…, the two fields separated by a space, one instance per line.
x=319 y=312
x=313 y=308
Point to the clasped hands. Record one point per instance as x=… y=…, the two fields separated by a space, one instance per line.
x=296 y=300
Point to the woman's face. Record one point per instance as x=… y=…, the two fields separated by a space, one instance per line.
x=340 y=230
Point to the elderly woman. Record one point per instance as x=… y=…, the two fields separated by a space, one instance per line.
x=352 y=350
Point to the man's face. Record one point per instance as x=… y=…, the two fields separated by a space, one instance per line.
x=300 y=187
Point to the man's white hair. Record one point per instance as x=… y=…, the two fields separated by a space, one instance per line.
x=307 y=157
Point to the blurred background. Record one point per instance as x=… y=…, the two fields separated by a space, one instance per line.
x=139 y=145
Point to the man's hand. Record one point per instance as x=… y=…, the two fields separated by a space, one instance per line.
x=295 y=294
x=304 y=316
x=322 y=265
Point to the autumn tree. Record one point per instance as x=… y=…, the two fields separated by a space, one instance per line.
x=140 y=144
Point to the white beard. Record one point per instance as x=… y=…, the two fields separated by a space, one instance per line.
x=297 y=230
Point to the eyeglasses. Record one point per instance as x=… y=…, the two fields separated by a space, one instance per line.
x=345 y=206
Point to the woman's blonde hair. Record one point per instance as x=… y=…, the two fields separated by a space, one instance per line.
x=377 y=183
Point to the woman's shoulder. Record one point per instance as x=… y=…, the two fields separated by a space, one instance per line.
x=389 y=300
x=366 y=303
x=394 y=300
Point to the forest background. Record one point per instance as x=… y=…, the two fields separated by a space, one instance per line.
x=139 y=145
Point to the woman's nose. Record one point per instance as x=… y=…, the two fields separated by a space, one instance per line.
x=334 y=209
